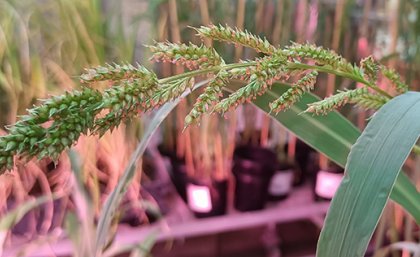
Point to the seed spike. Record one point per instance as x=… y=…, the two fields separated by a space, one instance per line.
x=294 y=94
x=333 y=102
x=236 y=36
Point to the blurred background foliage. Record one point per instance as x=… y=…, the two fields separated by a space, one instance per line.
x=45 y=44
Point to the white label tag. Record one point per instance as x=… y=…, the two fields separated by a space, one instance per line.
x=327 y=183
x=199 y=199
x=281 y=183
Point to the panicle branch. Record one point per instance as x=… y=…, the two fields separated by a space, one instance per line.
x=370 y=69
x=206 y=100
x=115 y=72
x=58 y=122
x=190 y=56
x=335 y=101
x=124 y=101
x=320 y=55
x=395 y=79
x=267 y=70
x=235 y=36
x=50 y=128
x=370 y=101
x=294 y=94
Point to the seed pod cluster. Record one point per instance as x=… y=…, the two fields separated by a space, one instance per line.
x=206 y=100
x=335 y=101
x=191 y=56
x=294 y=94
x=235 y=36
x=50 y=128
x=261 y=76
x=114 y=72
x=124 y=101
x=370 y=69
x=320 y=55
x=395 y=79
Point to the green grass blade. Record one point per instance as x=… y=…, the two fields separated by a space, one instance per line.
x=405 y=193
x=373 y=166
x=113 y=201
x=333 y=135
x=83 y=236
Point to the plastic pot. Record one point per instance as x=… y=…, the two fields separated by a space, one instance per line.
x=179 y=177
x=178 y=171
x=207 y=198
x=253 y=168
x=304 y=161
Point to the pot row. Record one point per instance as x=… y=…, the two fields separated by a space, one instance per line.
x=258 y=178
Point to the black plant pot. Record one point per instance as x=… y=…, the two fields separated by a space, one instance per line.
x=304 y=161
x=178 y=171
x=207 y=198
x=253 y=168
x=179 y=177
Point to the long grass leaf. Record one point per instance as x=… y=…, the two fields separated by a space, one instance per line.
x=333 y=135
x=84 y=212
x=113 y=201
x=373 y=165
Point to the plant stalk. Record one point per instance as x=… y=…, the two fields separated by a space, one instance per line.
x=341 y=74
x=301 y=66
x=205 y=71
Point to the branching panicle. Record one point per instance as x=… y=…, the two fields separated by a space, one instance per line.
x=57 y=123
x=61 y=106
x=395 y=79
x=116 y=72
x=235 y=36
x=50 y=128
x=370 y=69
x=294 y=94
x=370 y=101
x=190 y=56
x=320 y=55
x=333 y=102
x=168 y=92
x=267 y=70
x=123 y=102
x=206 y=100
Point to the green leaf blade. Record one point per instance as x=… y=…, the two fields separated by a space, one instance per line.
x=405 y=193
x=114 y=199
x=333 y=135
x=372 y=169
x=330 y=134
